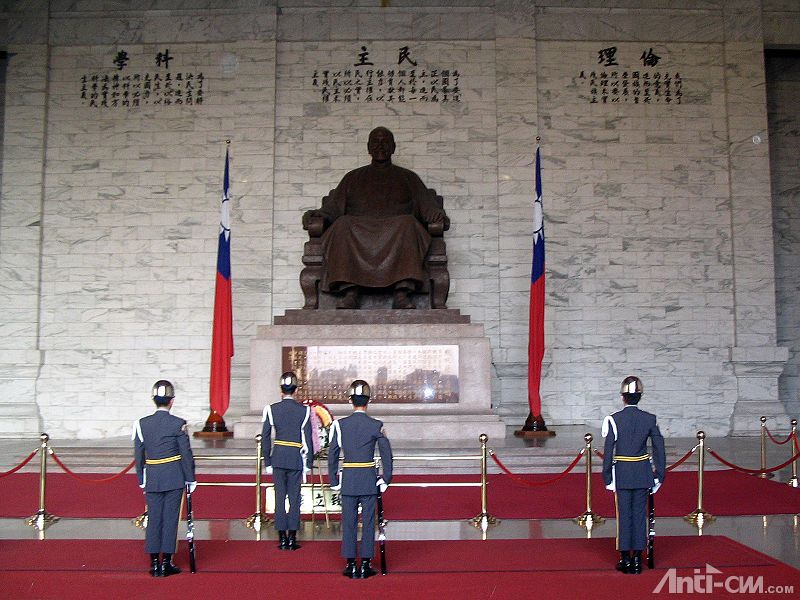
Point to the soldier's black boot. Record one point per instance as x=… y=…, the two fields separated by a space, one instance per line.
x=366 y=570
x=636 y=563
x=350 y=568
x=283 y=541
x=624 y=564
x=155 y=565
x=291 y=542
x=167 y=568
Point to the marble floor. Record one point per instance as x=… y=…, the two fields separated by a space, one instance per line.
x=776 y=535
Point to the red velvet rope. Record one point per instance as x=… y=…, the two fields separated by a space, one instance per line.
x=788 y=439
x=93 y=481
x=20 y=465
x=753 y=471
x=796 y=445
x=521 y=481
x=681 y=460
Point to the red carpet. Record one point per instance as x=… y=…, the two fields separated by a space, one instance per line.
x=67 y=569
x=726 y=493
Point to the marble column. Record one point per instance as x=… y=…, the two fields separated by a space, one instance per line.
x=23 y=157
x=756 y=359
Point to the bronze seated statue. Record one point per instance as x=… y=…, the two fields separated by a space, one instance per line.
x=435 y=287
x=379 y=233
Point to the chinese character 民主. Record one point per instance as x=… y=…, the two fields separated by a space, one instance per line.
x=363 y=58
x=405 y=54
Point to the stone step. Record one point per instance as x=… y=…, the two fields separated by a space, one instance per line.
x=425 y=457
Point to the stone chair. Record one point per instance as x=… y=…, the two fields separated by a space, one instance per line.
x=434 y=291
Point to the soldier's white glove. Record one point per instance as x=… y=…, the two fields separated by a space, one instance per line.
x=656 y=486
x=268 y=470
x=382 y=485
x=191 y=485
x=337 y=487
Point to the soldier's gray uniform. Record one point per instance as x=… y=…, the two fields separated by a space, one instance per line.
x=289 y=455
x=356 y=436
x=164 y=464
x=627 y=468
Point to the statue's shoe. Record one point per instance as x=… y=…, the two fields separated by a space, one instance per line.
x=402 y=300
x=349 y=300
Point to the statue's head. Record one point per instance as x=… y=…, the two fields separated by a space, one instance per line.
x=381 y=145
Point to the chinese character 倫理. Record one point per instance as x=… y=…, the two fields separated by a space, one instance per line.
x=649 y=59
x=607 y=56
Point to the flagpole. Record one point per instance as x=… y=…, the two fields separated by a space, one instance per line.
x=534 y=424
x=222 y=335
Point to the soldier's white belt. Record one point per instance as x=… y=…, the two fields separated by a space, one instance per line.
x=632 y=458
x=290 y=444
x=359 y=464
x=161 y=461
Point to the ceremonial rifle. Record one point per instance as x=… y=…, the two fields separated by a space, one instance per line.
x=651 y=529
x=190 y=530
x=381 y=532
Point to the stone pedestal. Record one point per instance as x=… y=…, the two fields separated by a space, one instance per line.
x=465 y=419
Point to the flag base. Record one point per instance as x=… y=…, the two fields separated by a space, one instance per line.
x=214 y=428
x=534 y=428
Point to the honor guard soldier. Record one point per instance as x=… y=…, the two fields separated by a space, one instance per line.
x=356 y=437
x=165 y=466
x=288 y=457
x=628 y=470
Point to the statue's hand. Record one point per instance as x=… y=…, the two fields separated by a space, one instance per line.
x=314 y=222
x=437 y=222
x=436 y=215
x=308 y=215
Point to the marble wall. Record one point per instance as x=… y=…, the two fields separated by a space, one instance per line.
x=658 y=215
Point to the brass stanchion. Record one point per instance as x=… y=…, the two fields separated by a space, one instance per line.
x=258 y=518
x=483 y=519
x=589 y=518
x=793 y=479
x=699 y=517
x=42 y=518
x=764 y=450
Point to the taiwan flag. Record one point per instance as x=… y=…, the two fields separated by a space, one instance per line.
x=222 y=338
x=536 y=333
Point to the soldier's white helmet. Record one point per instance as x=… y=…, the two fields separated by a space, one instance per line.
x=359 y=388
x=288 y=382
x=163 y=389
x=631 y=385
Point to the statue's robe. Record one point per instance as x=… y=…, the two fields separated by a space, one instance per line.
x=377 y=236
